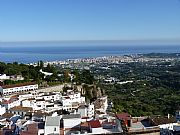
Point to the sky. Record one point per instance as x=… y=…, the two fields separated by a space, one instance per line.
x=56 y=20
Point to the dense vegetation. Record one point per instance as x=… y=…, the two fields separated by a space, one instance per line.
x=154 y=91
x=32 y=73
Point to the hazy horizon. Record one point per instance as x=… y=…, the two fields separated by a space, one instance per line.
x=90 y=43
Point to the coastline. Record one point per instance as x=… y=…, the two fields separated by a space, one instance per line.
x=34 y=54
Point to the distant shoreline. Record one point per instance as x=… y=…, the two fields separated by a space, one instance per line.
x=29 y=53
x=172 y=54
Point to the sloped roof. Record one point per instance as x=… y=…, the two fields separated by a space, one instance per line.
x=71 y=116
x=123 y=116
x=52 y=121
x=95 y=124
x=18 y=85
x=163 y=120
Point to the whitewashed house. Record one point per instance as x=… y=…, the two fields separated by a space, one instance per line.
x=71 y=122
x=72 y=100
x=10 y=103
x=52 y=125
x=18 y=88
x=86 y=110
x=2 y=110
x=169 y=126
x=19 y=110
x=101 y=104
x=26 y=96
x=51 y=96
x=3 y=77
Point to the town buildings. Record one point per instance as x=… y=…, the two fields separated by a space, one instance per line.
x=18 y=88
x=27 y=111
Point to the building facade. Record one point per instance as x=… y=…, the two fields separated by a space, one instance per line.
x=18 y=88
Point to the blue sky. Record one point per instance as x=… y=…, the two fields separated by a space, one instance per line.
x=54 y=20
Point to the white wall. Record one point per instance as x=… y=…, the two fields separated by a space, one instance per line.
x=168 y=126
x=67 y=102
x=26 y=103
x=97 y=130
x=54 y=97
x=91 y=110
x=52 y=129
x=3 y=77
x=13 y=104
x=2 y=110
x=69 y=123
x=40 y=131
x=19 y=89
x=87 y=111
x=26 y=96
x=83 y=112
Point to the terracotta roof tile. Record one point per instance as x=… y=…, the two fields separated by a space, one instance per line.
x=18 y=85
x=123 y=116
x=95 y=124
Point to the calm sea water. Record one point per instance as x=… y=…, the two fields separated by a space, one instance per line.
x=28 y=53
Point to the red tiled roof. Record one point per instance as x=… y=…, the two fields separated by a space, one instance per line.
x=32 y=130
x=9 y=101
x=6 y=102
x=95 y=124
x=123 y=116
x=18 y=85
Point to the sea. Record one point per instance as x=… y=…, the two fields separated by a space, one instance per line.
x=30 y=52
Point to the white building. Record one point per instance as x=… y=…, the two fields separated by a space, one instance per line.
x=169 y=126
x=36 y=105
x=2 y=110
x=72 y=100
x=101 y=104
x=47 y=103
x=11 y=102
x=52 y=96
x=3 y=77
x=86 y=110
x=17 y=88
x=26 y=96
x=16 y=77
x=71 y=122
x=12 y=77
x=52 y=125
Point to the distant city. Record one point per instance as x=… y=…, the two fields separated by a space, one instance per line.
x=101 y=95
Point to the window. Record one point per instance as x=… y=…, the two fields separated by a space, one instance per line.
x=54 y=129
